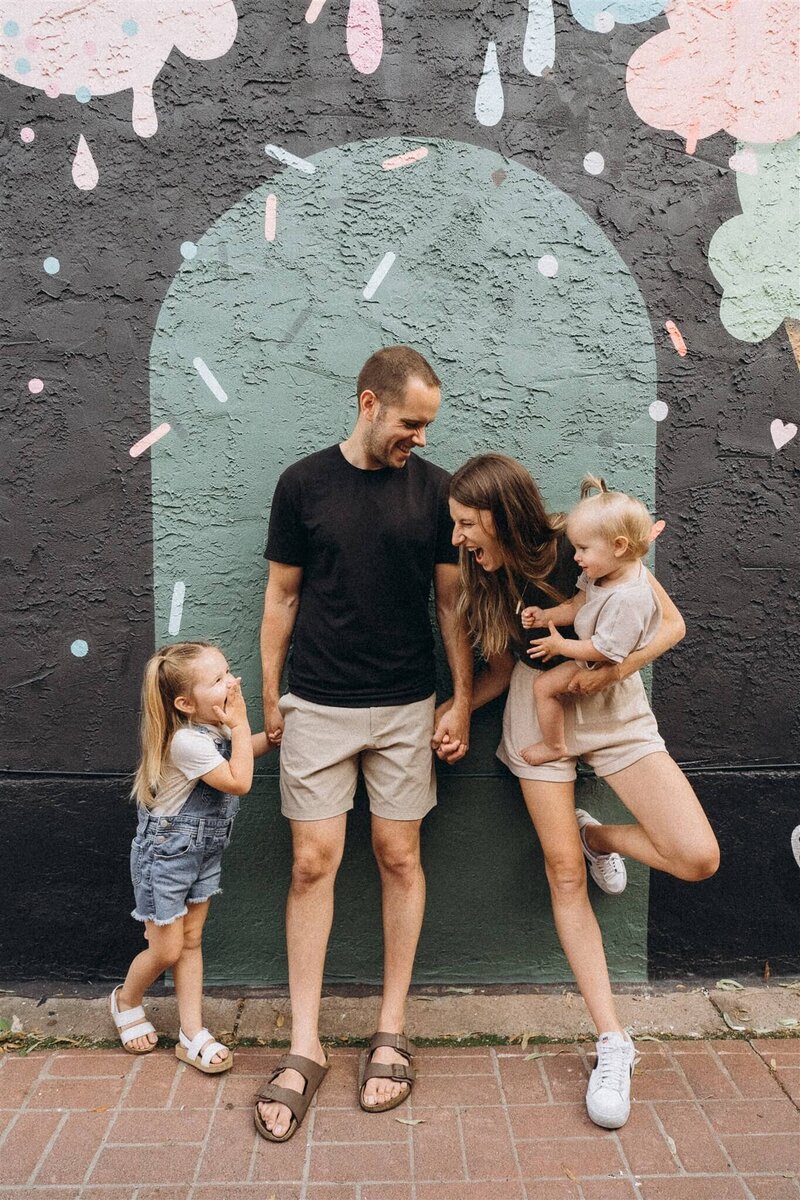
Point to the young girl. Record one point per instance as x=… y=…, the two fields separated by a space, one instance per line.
x=197 y=759
x=614 y=612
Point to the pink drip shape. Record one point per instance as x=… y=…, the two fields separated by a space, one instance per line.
x=364 y=35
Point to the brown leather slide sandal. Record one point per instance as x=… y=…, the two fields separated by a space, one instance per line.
x=401 y=1072
x=296 y=1102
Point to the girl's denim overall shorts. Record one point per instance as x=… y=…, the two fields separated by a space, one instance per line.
x=177 y=860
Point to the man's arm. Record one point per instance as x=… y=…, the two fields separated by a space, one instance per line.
x=281 y=602
x=668 y=634
x=451 y=734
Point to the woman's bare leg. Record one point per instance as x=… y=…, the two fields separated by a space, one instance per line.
x=672 y=833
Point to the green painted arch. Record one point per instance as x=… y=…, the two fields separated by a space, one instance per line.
x=558 y=370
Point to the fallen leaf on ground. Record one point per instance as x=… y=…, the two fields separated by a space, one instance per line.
x=788 y=1021
x=105 y=1109
x=409 y=1120
x=647 y=1037
x=729 y=985
x=280 y=1020
x=673 y=1149
x=729 y=1021
x=773 y=1066
x=569 y=1174
x=544 y=1054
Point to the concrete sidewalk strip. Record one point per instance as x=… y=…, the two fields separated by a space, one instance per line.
x=712 y=1119
x=759 y=1010
x=437 y=1015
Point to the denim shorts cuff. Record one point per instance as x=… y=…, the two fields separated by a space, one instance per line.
x=202 y=899
x=137 y=916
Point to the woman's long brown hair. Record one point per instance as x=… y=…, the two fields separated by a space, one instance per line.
x=528 y=539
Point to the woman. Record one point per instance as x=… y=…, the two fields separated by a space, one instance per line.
x=513 y=556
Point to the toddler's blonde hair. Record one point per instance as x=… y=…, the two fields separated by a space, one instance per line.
x=613 y=515
x=167 y=675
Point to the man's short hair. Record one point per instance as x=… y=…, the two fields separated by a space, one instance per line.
x=387 y=371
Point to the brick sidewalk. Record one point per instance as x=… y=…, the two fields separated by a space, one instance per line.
x=712 y=1120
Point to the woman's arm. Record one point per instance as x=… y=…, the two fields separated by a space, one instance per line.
x=669 y=633
x=489 y=683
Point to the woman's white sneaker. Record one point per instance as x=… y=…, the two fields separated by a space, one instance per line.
x=607 y=870
x=608 y=1097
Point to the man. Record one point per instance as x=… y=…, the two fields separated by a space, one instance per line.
x=357 y=534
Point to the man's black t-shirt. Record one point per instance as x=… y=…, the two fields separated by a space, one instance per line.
x=564 y=578
x=367 y=542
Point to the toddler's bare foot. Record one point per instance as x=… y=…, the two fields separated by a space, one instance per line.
x=542 y=752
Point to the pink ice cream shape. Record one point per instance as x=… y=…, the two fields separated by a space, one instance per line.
x=722 y=64
x=364 y=35
x=107 y=46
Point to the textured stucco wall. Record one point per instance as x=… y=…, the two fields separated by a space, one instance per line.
x=133 y=155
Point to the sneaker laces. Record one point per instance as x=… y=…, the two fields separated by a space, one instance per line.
x=613 y=1065
x=608 y=865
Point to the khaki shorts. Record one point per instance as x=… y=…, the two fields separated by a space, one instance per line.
x=610 y=730
x=323 y=746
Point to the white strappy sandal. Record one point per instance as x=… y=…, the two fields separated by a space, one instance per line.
x=131 y=1024
x=200 y=1050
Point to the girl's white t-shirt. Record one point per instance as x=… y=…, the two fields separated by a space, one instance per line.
x=195 y=750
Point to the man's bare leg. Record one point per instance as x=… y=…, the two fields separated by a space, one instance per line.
x=317 y=852
x=397 y=851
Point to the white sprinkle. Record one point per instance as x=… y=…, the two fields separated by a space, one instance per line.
x=176 y=611
x=210 y=380
x=291 y=160
x=658 y=410
x=379 y=274
x=604 y=22
x=594 y=163
x=548 y=265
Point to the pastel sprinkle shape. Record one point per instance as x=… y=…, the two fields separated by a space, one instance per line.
x=379 y=274
x=26 y=135
x=290 y=160
x=22 y=66
x=35 y=386
x=11 y=29
x=79 y=648
x=604 y=22
x=658 y=410
x=313 y=11
x=155 y=435
x=188 y=250
x=405 y=160
x=51 y=265
x=83 y=94
x=548 y=265
x=209 y=379
x=782 y=433
x=676 y=337
x=271 y=217
x=176 y=608
x=594 y=163
x=130 y=27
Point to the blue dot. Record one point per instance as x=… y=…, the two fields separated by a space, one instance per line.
x=52 y=265
x=80 y=648
x=11 y=29
x=188 y=250
x=22 y=66
x=82 y=94
x=130 y=27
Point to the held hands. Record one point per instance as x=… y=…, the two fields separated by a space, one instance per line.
x=234 y=711
x=534 y=618
x=548 y=647
x=273 y=723
x=450 y=738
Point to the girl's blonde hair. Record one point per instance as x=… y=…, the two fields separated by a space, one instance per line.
x=167 y=675
x=528 y=539
x=612 y=515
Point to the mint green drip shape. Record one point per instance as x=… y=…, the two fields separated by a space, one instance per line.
x=558 y=372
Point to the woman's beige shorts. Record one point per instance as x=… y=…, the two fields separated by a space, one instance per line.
x=323 y=746
x=610 y=730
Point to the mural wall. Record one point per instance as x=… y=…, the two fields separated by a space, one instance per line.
x=587 y=217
